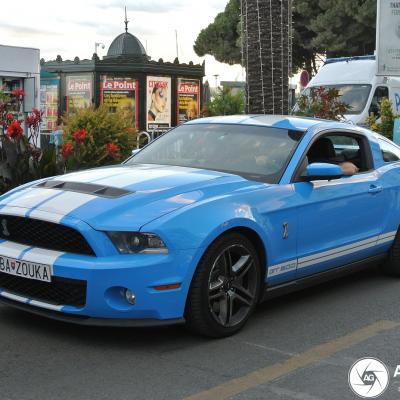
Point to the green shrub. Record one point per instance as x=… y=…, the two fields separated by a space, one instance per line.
x=96 y=137
x=383 y=123
x=226 y=103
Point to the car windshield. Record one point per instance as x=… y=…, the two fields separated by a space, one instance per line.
x=356 y=96
x=251 y=151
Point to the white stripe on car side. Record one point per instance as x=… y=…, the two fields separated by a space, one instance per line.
x=337 y=250
x=317 y=258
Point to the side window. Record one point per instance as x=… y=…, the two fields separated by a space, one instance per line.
x=380 y=93
x=340 y=148
x=390 y=153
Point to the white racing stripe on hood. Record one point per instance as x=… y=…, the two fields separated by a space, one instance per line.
x=62 y=205
x=30 y=199
x=11 y=249
x=91 y=175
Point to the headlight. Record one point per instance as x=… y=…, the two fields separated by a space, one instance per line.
x=134 y=242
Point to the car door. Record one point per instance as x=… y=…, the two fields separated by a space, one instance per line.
x=340 y=220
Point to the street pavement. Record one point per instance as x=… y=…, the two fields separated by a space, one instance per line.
x=299 y=346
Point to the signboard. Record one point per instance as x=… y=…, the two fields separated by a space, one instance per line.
x=388 y=37
x=396 y=131
x=49 y=103
x=188 y=99
x=158 y=103
x=79 y=92
x=120 y=94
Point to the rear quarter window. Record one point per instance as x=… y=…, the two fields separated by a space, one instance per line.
x=390 y=152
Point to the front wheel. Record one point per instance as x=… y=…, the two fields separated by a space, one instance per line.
x=225 y=287
x=392 y=264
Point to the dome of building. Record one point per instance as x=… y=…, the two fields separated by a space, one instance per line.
x=126 y=44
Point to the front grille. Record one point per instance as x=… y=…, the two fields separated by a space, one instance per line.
x=60 y=291
x=48 y=235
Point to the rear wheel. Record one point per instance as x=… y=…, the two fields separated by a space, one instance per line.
x=392 y=264
x=225 y=287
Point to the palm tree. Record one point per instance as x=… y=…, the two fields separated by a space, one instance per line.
x=266 y=54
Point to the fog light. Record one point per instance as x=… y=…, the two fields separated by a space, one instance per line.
x=130 y=296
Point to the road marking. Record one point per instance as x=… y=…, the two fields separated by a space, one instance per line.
x=315 y=354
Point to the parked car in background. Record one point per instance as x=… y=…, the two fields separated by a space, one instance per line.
x=202 y=224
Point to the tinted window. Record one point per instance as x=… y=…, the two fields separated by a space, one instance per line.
x=251 y=151
x=390 y=152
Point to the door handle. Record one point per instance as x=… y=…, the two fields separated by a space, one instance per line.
x=375 y=189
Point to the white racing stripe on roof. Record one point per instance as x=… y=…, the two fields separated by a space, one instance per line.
x=11 y=249
x=62 y=205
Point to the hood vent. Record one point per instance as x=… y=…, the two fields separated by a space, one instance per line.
x=87 y=188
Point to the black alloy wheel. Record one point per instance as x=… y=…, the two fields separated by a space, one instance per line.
x=225 y=288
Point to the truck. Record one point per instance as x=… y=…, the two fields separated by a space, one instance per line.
x=359 y=85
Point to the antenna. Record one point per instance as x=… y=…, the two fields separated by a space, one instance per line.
x=176 y=43
x=126 y=21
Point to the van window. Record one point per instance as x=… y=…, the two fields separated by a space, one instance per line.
x=390 y=152
x=355 y=96
x=381 y=92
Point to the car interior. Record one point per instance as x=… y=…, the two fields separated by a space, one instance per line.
x=336 y=149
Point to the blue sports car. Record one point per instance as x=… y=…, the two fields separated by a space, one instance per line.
x=202 y=224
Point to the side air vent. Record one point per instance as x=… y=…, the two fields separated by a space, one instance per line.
x=88 y=188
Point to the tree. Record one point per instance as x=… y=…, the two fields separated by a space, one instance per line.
x=266 y=54
x=331 y=27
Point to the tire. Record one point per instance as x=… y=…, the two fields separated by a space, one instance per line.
x=392 y=265
x=225 y=287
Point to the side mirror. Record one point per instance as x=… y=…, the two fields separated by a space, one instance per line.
x=134 y=151
x=322 y=171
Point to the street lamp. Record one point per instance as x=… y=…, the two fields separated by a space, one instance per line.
x=97 y=44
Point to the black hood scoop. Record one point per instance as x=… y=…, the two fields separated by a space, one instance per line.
x=88 y=188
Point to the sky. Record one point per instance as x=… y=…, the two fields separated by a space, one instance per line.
x=71 y=28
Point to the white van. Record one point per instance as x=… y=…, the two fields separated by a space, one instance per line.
x=360 y=87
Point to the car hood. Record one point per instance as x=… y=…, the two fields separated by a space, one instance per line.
x=150 y=191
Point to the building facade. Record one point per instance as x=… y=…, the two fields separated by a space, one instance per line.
x=157 y=94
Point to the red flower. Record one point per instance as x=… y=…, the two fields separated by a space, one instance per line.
x=9 y=117
x=18 y=93
x=15 y=130
x=35 y=118
x=67 y=150
x=112 y=150
x=80 y=135
x=30 y=120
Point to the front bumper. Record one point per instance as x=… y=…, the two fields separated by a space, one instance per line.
x=105 y=278
x=89 y=321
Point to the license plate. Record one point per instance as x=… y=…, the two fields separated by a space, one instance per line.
x=25 y=269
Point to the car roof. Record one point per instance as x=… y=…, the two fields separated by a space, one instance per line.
x=276 y=121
